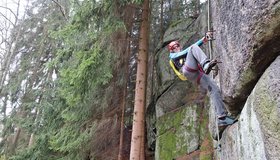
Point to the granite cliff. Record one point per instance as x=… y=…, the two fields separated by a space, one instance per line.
x=180 y=119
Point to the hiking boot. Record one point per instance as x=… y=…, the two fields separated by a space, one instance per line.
x=208 y=65
x=225 y=121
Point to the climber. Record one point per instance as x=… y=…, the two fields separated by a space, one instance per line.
x=194 y=65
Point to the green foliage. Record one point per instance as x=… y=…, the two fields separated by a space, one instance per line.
x=61 y=112
x=84 y=61
x=89 y=73
x=40 y=151
x=71 y=139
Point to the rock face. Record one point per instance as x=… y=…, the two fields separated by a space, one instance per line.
x=178 y=133
x=248 y=44
x=177 y=118
x=257 y=134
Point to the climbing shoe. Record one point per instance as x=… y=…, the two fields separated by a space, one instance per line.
x=208 y=65
x=225 y=121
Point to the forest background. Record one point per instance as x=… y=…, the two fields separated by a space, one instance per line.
x=68 y=71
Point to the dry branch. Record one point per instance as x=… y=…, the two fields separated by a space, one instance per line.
x=9 y=10
x=62 y=10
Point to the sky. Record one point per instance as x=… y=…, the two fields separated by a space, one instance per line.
x=8 y=10
x=12 y=5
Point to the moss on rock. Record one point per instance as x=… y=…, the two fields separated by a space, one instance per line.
x=178 y=132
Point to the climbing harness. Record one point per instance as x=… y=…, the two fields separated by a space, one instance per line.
x=181 y=75
x=200 y=70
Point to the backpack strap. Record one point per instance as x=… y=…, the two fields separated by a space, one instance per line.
x=177 y=72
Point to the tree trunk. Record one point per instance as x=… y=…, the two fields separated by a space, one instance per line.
x=137 y=148
x=15 y=140
x=126 y=59
x=196 y=8
x=161 y=22
x=31 y=140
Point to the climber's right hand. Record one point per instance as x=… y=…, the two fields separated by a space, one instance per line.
x=209 y=35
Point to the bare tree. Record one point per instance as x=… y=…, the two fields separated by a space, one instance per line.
x=10 y=19
x=9 y=45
